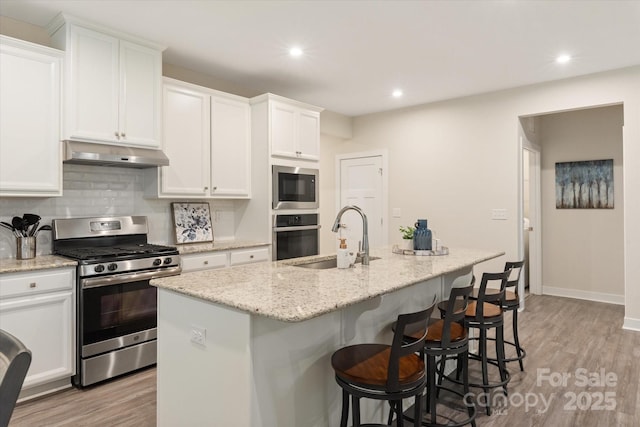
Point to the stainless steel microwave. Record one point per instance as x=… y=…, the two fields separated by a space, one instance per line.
x=295 y=188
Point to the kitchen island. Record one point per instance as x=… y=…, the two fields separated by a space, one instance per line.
x=251 y=345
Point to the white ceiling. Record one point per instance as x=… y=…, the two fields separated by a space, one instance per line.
x=357 y=52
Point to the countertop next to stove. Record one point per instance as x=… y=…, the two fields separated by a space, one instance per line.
x=281 y=291
x=224 y=245
x=41 y=262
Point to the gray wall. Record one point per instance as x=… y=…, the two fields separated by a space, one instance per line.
x=582 y=249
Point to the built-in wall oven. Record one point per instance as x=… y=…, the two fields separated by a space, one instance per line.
x=116 y=308
x=295 y=235
x=295 y=188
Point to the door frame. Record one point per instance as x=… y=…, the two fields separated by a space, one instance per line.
x=384 y=155
x=535 y=202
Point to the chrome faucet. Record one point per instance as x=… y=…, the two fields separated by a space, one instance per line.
x=364 y=254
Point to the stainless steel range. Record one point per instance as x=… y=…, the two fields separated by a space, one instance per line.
x=116 y=306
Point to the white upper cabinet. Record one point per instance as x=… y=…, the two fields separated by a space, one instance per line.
x=112 y=85
x=187 y=142
x=293 y=127
x=230 y=147
x=207 y=137
x=30 y=149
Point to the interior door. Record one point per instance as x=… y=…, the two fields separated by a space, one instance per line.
x=361 y=184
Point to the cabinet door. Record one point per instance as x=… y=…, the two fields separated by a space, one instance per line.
x=140 y=88
x=282 y=130
x=309 y=135
x=45 y=325
x=92 y=86
x=186 y=137
x=230 y=148
x=30 y=163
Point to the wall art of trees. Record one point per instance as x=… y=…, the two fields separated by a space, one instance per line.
x=584 y=185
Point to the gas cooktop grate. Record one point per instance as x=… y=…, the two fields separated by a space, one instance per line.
x=85 y=253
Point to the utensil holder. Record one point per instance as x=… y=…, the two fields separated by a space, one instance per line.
x=25 y=247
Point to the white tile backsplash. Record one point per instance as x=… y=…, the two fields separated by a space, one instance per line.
x=105 y=191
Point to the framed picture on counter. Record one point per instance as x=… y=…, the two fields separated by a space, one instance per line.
x=192 y=222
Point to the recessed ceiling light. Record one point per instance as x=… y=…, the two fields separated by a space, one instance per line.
x=563 y=59
x=295 y=51
x=397 y=93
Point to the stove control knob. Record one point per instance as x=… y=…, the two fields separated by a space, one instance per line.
x=98 y=268
x=168 y=260
x=112 y=267
x=157 y=262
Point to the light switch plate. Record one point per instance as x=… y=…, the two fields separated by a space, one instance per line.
x=499 y=214
x=396 y=213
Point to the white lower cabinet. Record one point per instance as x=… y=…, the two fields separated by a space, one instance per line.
x=205 y=261
x=221 y=259
x=38 y=309
x=249 y=256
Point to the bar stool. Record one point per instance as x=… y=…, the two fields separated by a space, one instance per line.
x=446 y=338
x=384 y=372
x=511 y=302
x=485 y=314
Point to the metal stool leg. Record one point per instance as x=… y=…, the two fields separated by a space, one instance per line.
x=516 y=340
x=344 y=418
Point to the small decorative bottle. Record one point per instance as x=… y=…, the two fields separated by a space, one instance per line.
x=422 y=236
x=343 y=259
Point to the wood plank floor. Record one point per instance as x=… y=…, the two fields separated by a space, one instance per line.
x=560 y=335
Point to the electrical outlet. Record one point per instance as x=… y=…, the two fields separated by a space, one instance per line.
x=198 y=335
x=498 y=214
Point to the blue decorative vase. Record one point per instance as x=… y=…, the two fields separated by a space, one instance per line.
x=422 y=236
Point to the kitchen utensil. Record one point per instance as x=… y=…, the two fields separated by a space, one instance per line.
x=28 y=220
x=9 y=227
x=16 y=222
x=43 y=228
x=34 y=228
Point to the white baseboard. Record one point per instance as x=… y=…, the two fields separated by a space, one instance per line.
x=631 y=324
x=586 y=295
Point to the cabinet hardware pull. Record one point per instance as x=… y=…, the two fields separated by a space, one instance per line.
x=123 y=134
x=117 y=134
x=206 y=263
x=250 y=256
x=33 y=285
x=206 y=188
x=215 y=188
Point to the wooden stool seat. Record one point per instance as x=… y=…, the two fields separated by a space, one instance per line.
x=385 y=372
x=490 y=310
x=367 y=365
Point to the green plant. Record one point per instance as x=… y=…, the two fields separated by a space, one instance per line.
x=407 y=232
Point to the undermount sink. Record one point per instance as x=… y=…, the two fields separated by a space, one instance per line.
x=326 y=264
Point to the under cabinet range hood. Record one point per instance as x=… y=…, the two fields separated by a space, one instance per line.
x=84 y=153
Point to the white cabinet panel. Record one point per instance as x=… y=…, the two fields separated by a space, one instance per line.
x=140 y=71
x=30 y=150
x=230 y=148
x=206 y=261
x=113 y=85
x=42 y=317
x=186 y=142
x=207 y=137
x=249 y=256
x=293 y=128
x=283 y=131
x=92 y=86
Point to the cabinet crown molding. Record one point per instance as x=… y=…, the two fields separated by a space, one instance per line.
x=62 y=19
x=272 y=97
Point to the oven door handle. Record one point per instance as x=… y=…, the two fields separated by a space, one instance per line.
x=298 y=228
x=95 y=282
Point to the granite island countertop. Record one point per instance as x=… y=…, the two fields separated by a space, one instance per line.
x=284 y=292
x=41 y=262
